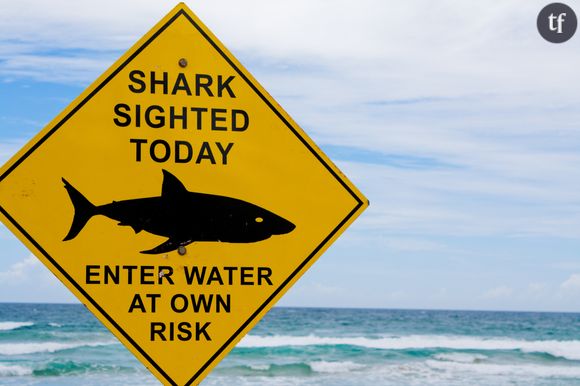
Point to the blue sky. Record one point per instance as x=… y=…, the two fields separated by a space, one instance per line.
x=457 y=121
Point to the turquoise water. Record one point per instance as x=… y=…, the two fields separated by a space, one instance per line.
x=50 y=345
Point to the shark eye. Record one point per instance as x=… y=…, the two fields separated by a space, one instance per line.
x=259 y=219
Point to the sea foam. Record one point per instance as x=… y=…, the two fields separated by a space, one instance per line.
x=14 y=371
x=335 y=367
x=33 y=348
x=518 y=370
x=7 y=326
x=460 y=357
x=568 y=349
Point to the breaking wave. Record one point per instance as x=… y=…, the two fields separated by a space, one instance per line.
x=8 y=349
x=14 y=371
x=569 y=349
x=7 y=326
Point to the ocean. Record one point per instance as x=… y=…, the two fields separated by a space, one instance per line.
x=61 y=345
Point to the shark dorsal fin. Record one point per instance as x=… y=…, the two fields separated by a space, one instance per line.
x=171 y=185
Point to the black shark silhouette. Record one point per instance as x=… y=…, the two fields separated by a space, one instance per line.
x=183 y=217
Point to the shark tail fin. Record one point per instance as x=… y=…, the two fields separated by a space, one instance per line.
x=84 y=210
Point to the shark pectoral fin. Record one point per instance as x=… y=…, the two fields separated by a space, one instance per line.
x=136 y=228
x=168 y=246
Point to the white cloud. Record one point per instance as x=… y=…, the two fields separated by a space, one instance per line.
x=463 y=202
x=500 y=292
x=572 y=284
x=8 y=148
x=537 y=289
x=20 y=270
x=397 y=295
x=61 y=24
x=318 y=289
x=312 y=293
x=484 y=108
x=441 y=293
x=62 y=69
x=408 y=244
x=28 y=280
x=385 y=50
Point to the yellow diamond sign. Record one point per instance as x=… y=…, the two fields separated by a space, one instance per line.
x=176 y=199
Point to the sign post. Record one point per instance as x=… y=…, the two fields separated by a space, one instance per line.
x=176 y=199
